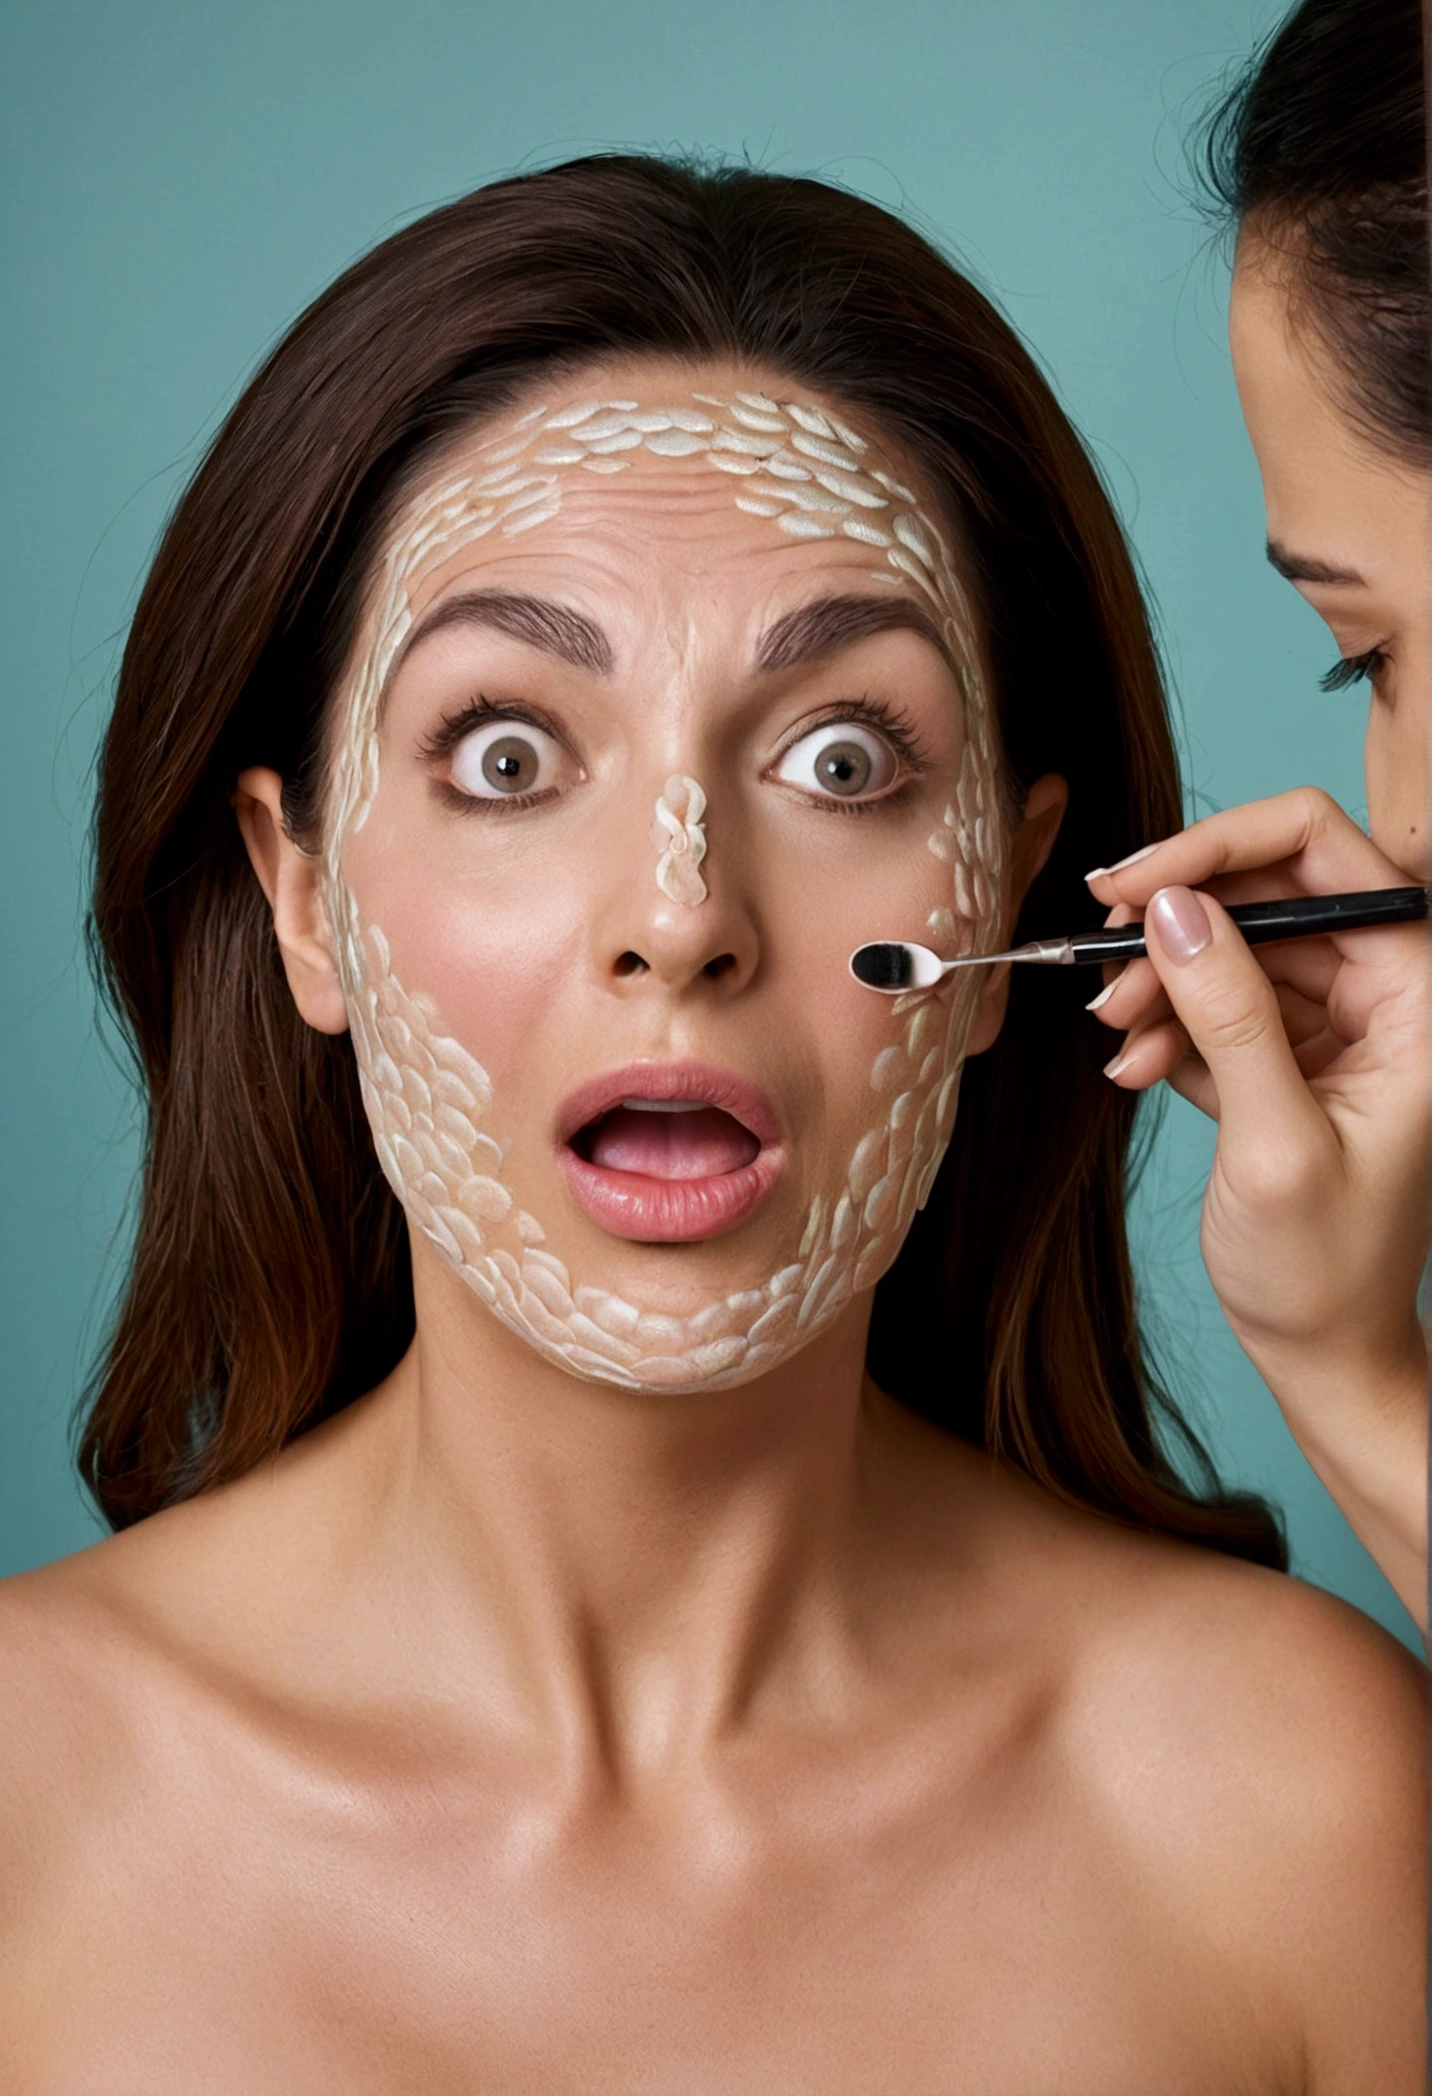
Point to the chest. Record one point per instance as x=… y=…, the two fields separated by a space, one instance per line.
x=455 y=1942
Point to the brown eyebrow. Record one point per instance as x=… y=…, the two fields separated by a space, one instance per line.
x=801 y=636
x=838 y=622
x=1296 y=567
x=554 y=628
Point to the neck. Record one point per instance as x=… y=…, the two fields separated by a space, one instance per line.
x=634 y=1570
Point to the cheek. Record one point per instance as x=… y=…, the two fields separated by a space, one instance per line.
x=1396 y=766
x=489 y=952
x=886 y=1065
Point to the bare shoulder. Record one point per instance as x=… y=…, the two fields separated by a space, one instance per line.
x=86 y=1675
x=1253 y=1678
x=1260 y=1745
x=1166 y=1640
x=116 y=1663
x=60 y=1719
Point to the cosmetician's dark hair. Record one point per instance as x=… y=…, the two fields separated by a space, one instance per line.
x=270 y=1282
x=1319 y=149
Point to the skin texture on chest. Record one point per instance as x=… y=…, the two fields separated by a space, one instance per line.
x=929 y=1914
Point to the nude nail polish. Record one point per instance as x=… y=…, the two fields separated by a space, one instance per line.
x=1182 y=923
x=1144 y=852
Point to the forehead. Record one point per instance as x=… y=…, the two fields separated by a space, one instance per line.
x=1274 y=358
x=1327 y=487
x=665 y=474
x=626 y=485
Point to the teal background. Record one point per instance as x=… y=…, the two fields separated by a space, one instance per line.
x=180 y=178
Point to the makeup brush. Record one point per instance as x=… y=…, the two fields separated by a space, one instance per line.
x=893 y=965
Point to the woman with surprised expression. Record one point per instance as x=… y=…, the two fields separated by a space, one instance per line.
x=645 y=1556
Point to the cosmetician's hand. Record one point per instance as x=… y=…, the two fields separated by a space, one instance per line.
x=1313 y=1057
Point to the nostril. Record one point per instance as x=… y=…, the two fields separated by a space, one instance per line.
x=630 y=963
x=722 y=965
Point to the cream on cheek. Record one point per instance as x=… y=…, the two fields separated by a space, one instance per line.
x=437 y=1125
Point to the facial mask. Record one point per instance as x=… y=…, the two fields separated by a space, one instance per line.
x=437 y=1127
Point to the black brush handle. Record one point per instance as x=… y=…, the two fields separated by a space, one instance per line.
x=1298 y=917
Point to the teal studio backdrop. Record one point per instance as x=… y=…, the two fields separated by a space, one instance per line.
x=181 y=177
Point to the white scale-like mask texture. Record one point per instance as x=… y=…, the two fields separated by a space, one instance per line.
x=435 y=1124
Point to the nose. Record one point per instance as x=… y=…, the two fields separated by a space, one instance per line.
x=647 y=934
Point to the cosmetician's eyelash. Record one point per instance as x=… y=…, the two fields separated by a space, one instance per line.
x=1349 y=669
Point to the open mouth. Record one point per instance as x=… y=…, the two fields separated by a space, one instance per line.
x=665 y=1139
x=669 y=1153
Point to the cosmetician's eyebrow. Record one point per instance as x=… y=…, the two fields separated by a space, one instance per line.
x=1297 y=567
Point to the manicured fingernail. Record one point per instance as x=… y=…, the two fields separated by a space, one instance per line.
x=1103 y=997
x=1182 y=923
x=1120 y=1062
x=1145 y=851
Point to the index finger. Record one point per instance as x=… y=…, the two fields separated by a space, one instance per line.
x=1302 y=841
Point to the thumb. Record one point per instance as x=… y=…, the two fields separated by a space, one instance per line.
x=1227 y=1006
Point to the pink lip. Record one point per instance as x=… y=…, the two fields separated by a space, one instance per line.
x=669 y=1211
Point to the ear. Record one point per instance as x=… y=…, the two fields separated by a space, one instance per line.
x=1032 y=844
x=291 y=879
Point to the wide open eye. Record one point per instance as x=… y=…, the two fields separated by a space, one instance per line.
x=504 y=758
x=841 y=760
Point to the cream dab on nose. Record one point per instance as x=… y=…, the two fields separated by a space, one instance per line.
x=681 y=838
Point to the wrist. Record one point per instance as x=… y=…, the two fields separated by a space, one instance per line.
x=1362 y=1424
x=1376 y=1374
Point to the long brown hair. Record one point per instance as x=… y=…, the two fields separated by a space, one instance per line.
x=270 y=1282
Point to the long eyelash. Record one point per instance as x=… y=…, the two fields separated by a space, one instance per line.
x=830 y=805
x=474 y=804
x=450 y=732
x=898 y=730
x=1349 y=669
x=476 y=714
x=895 y=725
